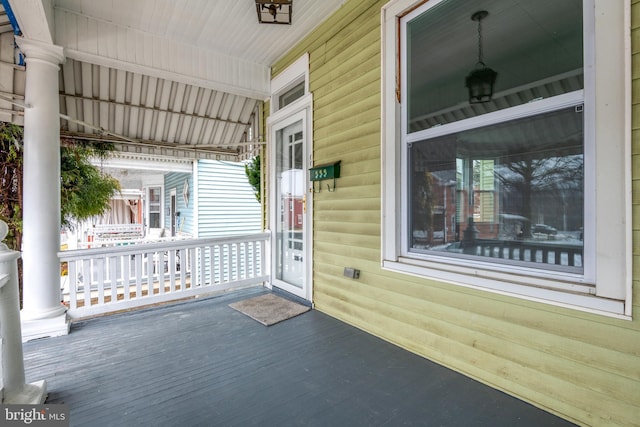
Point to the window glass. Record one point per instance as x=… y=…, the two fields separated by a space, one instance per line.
x=154 y=207
x=512 y=191
x=534 y=47
x=291 y=95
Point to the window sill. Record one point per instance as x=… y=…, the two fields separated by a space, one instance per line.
x=573 y=295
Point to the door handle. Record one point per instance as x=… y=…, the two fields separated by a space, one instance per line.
x=304 y=204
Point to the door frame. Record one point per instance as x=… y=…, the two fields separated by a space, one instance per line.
x=301 y=109
x=173 y=209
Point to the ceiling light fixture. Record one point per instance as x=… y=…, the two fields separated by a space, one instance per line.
x=274 y=11
x=481 y=80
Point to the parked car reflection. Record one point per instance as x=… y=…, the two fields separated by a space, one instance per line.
x=544 y=229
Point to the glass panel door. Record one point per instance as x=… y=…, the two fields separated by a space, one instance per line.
x=290 y=208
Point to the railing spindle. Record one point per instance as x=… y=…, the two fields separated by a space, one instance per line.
x=126 y=276
x=139 y=274
x=72 y=280
x=113 y=277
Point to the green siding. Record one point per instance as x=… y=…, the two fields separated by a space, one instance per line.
x=583 y=367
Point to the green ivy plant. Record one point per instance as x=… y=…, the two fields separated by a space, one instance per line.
x=252 y=169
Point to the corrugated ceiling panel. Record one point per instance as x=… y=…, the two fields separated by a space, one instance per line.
x=5 y=24
x=150 y=109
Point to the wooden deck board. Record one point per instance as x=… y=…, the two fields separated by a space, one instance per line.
x=203 y=363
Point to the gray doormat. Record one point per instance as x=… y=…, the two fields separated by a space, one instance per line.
x=269 y=309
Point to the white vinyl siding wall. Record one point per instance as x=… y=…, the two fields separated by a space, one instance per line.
x=226 y=203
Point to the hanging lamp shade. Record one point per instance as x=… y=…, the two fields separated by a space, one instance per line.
x=481 y=80
x=274 y=11
x=480 y=83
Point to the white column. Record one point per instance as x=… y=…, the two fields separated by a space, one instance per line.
x=43 y=313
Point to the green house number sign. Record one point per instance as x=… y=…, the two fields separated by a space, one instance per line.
x=328 y=171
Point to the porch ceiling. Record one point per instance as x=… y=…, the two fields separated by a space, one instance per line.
x=182 y=78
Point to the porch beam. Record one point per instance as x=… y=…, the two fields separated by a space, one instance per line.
x=249 y=90
x=183 y=151
x=145 y=162
x=178 y=152
x=226 y=152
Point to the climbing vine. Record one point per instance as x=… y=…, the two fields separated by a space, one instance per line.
x=11 y=182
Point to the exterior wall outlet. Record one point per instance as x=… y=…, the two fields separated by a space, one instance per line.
x=351 y=273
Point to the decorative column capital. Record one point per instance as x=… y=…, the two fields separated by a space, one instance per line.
x=38 y=50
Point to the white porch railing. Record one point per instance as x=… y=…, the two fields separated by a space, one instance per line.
x=109 y=279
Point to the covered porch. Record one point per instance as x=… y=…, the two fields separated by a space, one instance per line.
x=191 y=81
x=159 y=81
x=203 y=363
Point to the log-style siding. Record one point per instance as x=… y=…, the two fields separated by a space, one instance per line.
x=582 y=366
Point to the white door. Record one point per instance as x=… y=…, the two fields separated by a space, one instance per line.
x=173 y=214
x=290 y=245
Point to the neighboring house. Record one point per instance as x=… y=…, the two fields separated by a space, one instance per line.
x=215 y=201
x=379 y=90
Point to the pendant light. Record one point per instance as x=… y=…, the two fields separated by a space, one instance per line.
x=274 y=11
x=481 y=80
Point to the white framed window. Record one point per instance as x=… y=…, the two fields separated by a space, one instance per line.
x=290 y=85
x=154 y=198
x=526 y=193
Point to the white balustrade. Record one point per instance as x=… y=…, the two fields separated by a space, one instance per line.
x=109 y=279
x=13 y=389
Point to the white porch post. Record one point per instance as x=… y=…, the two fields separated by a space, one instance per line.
x=43 y=314
x=13 y=388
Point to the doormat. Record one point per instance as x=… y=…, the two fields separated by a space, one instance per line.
x=269 y=309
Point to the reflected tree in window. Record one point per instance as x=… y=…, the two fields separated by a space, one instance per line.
x=543 y=188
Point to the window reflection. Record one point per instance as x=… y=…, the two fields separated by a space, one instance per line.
x=511 y=191
x=535 y=47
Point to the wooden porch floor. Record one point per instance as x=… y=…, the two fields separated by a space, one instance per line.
x=201 y=363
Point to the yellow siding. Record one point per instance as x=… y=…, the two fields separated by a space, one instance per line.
x=583 y=367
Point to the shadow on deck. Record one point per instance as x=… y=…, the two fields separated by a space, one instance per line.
x=203 y=363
